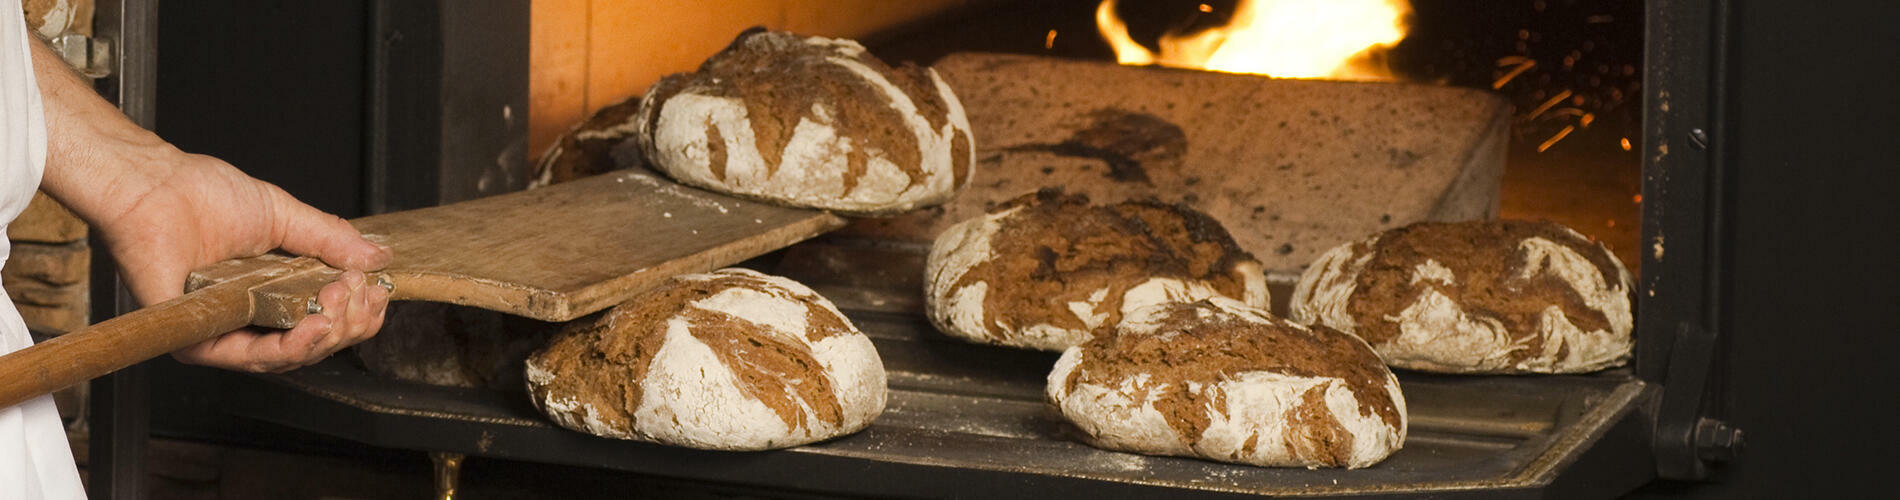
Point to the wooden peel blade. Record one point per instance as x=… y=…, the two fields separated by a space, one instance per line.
x=552 y=254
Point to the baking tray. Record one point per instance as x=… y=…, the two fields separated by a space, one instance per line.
x=969 y=421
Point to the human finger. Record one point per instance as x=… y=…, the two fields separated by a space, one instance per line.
x=334 y=300
x=352 y=320
x=217 y=351
x=256 y=351
x=295 y=347
x=376 y=301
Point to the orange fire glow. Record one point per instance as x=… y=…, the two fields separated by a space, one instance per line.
x=1335 y=39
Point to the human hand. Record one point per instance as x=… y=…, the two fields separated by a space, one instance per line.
x=163 y=213
x=195 y=210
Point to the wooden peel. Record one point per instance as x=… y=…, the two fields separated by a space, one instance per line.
x=552 y=254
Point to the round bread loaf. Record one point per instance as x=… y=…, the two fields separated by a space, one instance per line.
x=810 y=122
x=445 y=344
x=1220 y=380
x=1046 y=269
x=587 y=149
x=1475 y=297
x=731 y=360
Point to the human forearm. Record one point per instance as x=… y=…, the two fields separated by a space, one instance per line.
x=93 y=152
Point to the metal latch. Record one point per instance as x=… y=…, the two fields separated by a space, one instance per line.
x=91 y=57
x=1686 y=441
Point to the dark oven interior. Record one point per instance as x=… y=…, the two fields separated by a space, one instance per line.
x=378 y=114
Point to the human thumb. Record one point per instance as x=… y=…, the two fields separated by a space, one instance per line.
x=315 y=233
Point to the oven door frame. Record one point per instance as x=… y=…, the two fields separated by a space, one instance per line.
x=1684 y=245
x=1688 y=167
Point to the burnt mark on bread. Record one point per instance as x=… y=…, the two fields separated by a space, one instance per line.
x=1487 y=263
x=1060 y=248
x=602 y=364
x=1195 y=346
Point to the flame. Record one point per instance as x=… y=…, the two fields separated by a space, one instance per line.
x=1338 y=39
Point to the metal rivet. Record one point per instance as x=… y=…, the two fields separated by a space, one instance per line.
x=383 y=281
x=1717 y=441
x=1699 y=138
x=311 y=306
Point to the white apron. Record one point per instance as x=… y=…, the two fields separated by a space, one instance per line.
x=34 y=460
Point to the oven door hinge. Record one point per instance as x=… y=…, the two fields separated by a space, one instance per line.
x=1687 y=441
x=89 y=56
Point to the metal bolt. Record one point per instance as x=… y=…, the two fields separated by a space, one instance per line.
x=310 y=306
x=1716 y=441
x=1699 y=138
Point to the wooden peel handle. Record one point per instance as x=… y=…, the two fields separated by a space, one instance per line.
x=136 y=336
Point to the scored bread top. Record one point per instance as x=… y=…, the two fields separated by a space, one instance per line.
x=682 y=363
x=810 y=121
x=1231 y=382
x=1049 y=261
x=1482 y=297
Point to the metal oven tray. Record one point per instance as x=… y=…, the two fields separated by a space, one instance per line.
x=968 y=421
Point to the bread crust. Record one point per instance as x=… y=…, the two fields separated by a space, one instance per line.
x=1494 y=297
x=1047 y=270
x=729 y=360
x=810 y=122
x=1221 y=380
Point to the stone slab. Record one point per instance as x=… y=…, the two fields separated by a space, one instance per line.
x=1292 y=167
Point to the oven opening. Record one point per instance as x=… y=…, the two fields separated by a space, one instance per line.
x=1298 y=136
x=1570 y=73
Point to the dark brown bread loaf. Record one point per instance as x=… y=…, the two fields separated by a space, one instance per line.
x=729 y=360
x=810 y=122
x=1476 y=297
x=445 y=344
x=587 y=149
x=1046 y=270
x=1220 y=380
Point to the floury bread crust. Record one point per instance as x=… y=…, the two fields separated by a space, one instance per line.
x=1046 y=270
x=1220 y=380
x=1475 y=297
x=587 y=149
x=810 y=122
x=731 y=360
